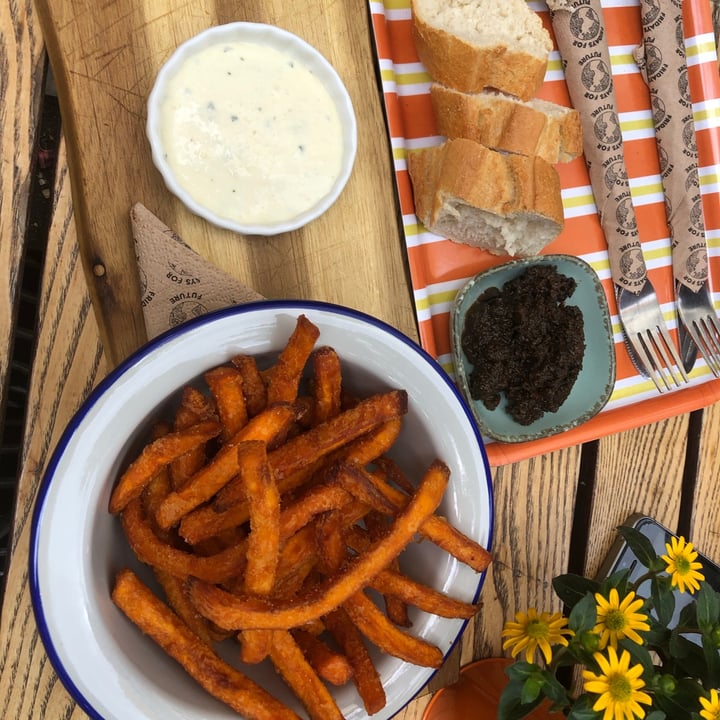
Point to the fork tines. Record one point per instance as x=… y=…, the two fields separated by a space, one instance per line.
x=661 y=360
x=705 y=332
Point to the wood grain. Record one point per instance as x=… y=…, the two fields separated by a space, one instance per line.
x=639 y=471
x=69 y=362
x=705 y=515
x=22 y=67
x=105 y=57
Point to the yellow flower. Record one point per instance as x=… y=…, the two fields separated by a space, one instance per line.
x=682 y=565
x=617 y=620
x=711 y=707
x=619 y=686
x=531 y=631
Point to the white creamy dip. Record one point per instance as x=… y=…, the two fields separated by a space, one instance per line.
x=250 y=132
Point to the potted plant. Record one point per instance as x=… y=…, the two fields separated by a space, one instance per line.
x=635 y=654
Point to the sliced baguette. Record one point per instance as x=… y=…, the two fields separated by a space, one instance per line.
x=502 y=122
x=504 y=203
x=470 y=45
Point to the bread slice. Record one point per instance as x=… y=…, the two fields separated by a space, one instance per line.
x=502 y=122
x=507 y=204
x=470 y=45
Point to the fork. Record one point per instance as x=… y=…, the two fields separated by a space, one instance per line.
x=698 y=315
x=667 y=78
x=591 y=88
x=648 y=338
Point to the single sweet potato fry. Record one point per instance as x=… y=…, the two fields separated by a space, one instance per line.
x=327 y=385
x=330 y=542
x=374 y=444
x=153 y=551
x=290 y=662
x=365 y=675
x=357 y=483
x=224 y=466
x=329 y=664
x=156 y=455
x=376 y=627
x=394 y=584
x=226 y=386
x=221 y=680
x=254 y=645
x=185 y=610
x=315 y=500
x=263 y=541
x=283 y=378
x=236 y=613
x=396 y=608
x=253 y=384
x=194 y=407
x=439 y=530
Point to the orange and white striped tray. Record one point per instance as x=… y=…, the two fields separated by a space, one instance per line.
x=439 y=267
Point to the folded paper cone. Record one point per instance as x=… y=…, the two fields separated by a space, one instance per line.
x=176 y=283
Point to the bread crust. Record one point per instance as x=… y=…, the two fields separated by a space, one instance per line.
x=551 y=131
x=514 y=188
x=463 y=66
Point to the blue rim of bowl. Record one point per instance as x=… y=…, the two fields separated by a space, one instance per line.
x=152 y=345
x=312 y=213
x=607 y=322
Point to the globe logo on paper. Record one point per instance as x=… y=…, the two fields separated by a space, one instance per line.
x=632 y=265
x=615 y=173
x=585 y=24
x=696 y=265
x=185 y=310
x=650 y=13
x=625 y=215
x=607 y=128
x=595 y=76
x=654 y=65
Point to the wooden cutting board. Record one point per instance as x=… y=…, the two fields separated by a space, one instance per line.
x=105 y=56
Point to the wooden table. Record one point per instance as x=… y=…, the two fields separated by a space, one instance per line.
x=553 y=513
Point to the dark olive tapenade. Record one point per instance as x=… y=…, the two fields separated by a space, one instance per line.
x=524 y=341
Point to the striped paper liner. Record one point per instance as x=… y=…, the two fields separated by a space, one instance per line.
x=439 y=267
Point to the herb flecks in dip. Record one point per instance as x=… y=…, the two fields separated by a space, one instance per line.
x=251 y=133
x=525 y=342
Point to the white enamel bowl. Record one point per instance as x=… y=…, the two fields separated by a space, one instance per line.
x=111 y=669
x=290 y=45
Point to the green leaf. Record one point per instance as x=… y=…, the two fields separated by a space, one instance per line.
x=708 y=607
x=583 y=616
x=688 y=615
x=672 y=707
x=687 y=658
x=618 y=580
x=712 y=659
x=656 y=715
x=510 y=706
x=663 y=599
x=640 y=655
x=639 y=544
x=531 y=690
x=521 y=670
x=554 y=689
x=571 y=588
x=582 y=710
x=658 y=636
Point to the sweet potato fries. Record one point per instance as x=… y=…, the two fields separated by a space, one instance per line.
x=266 y=508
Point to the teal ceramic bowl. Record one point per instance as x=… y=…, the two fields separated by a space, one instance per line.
x=596 y=379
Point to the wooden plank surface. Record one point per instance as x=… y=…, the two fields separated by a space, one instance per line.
x=21 y=88
x=69 y=361
x=105 y=57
